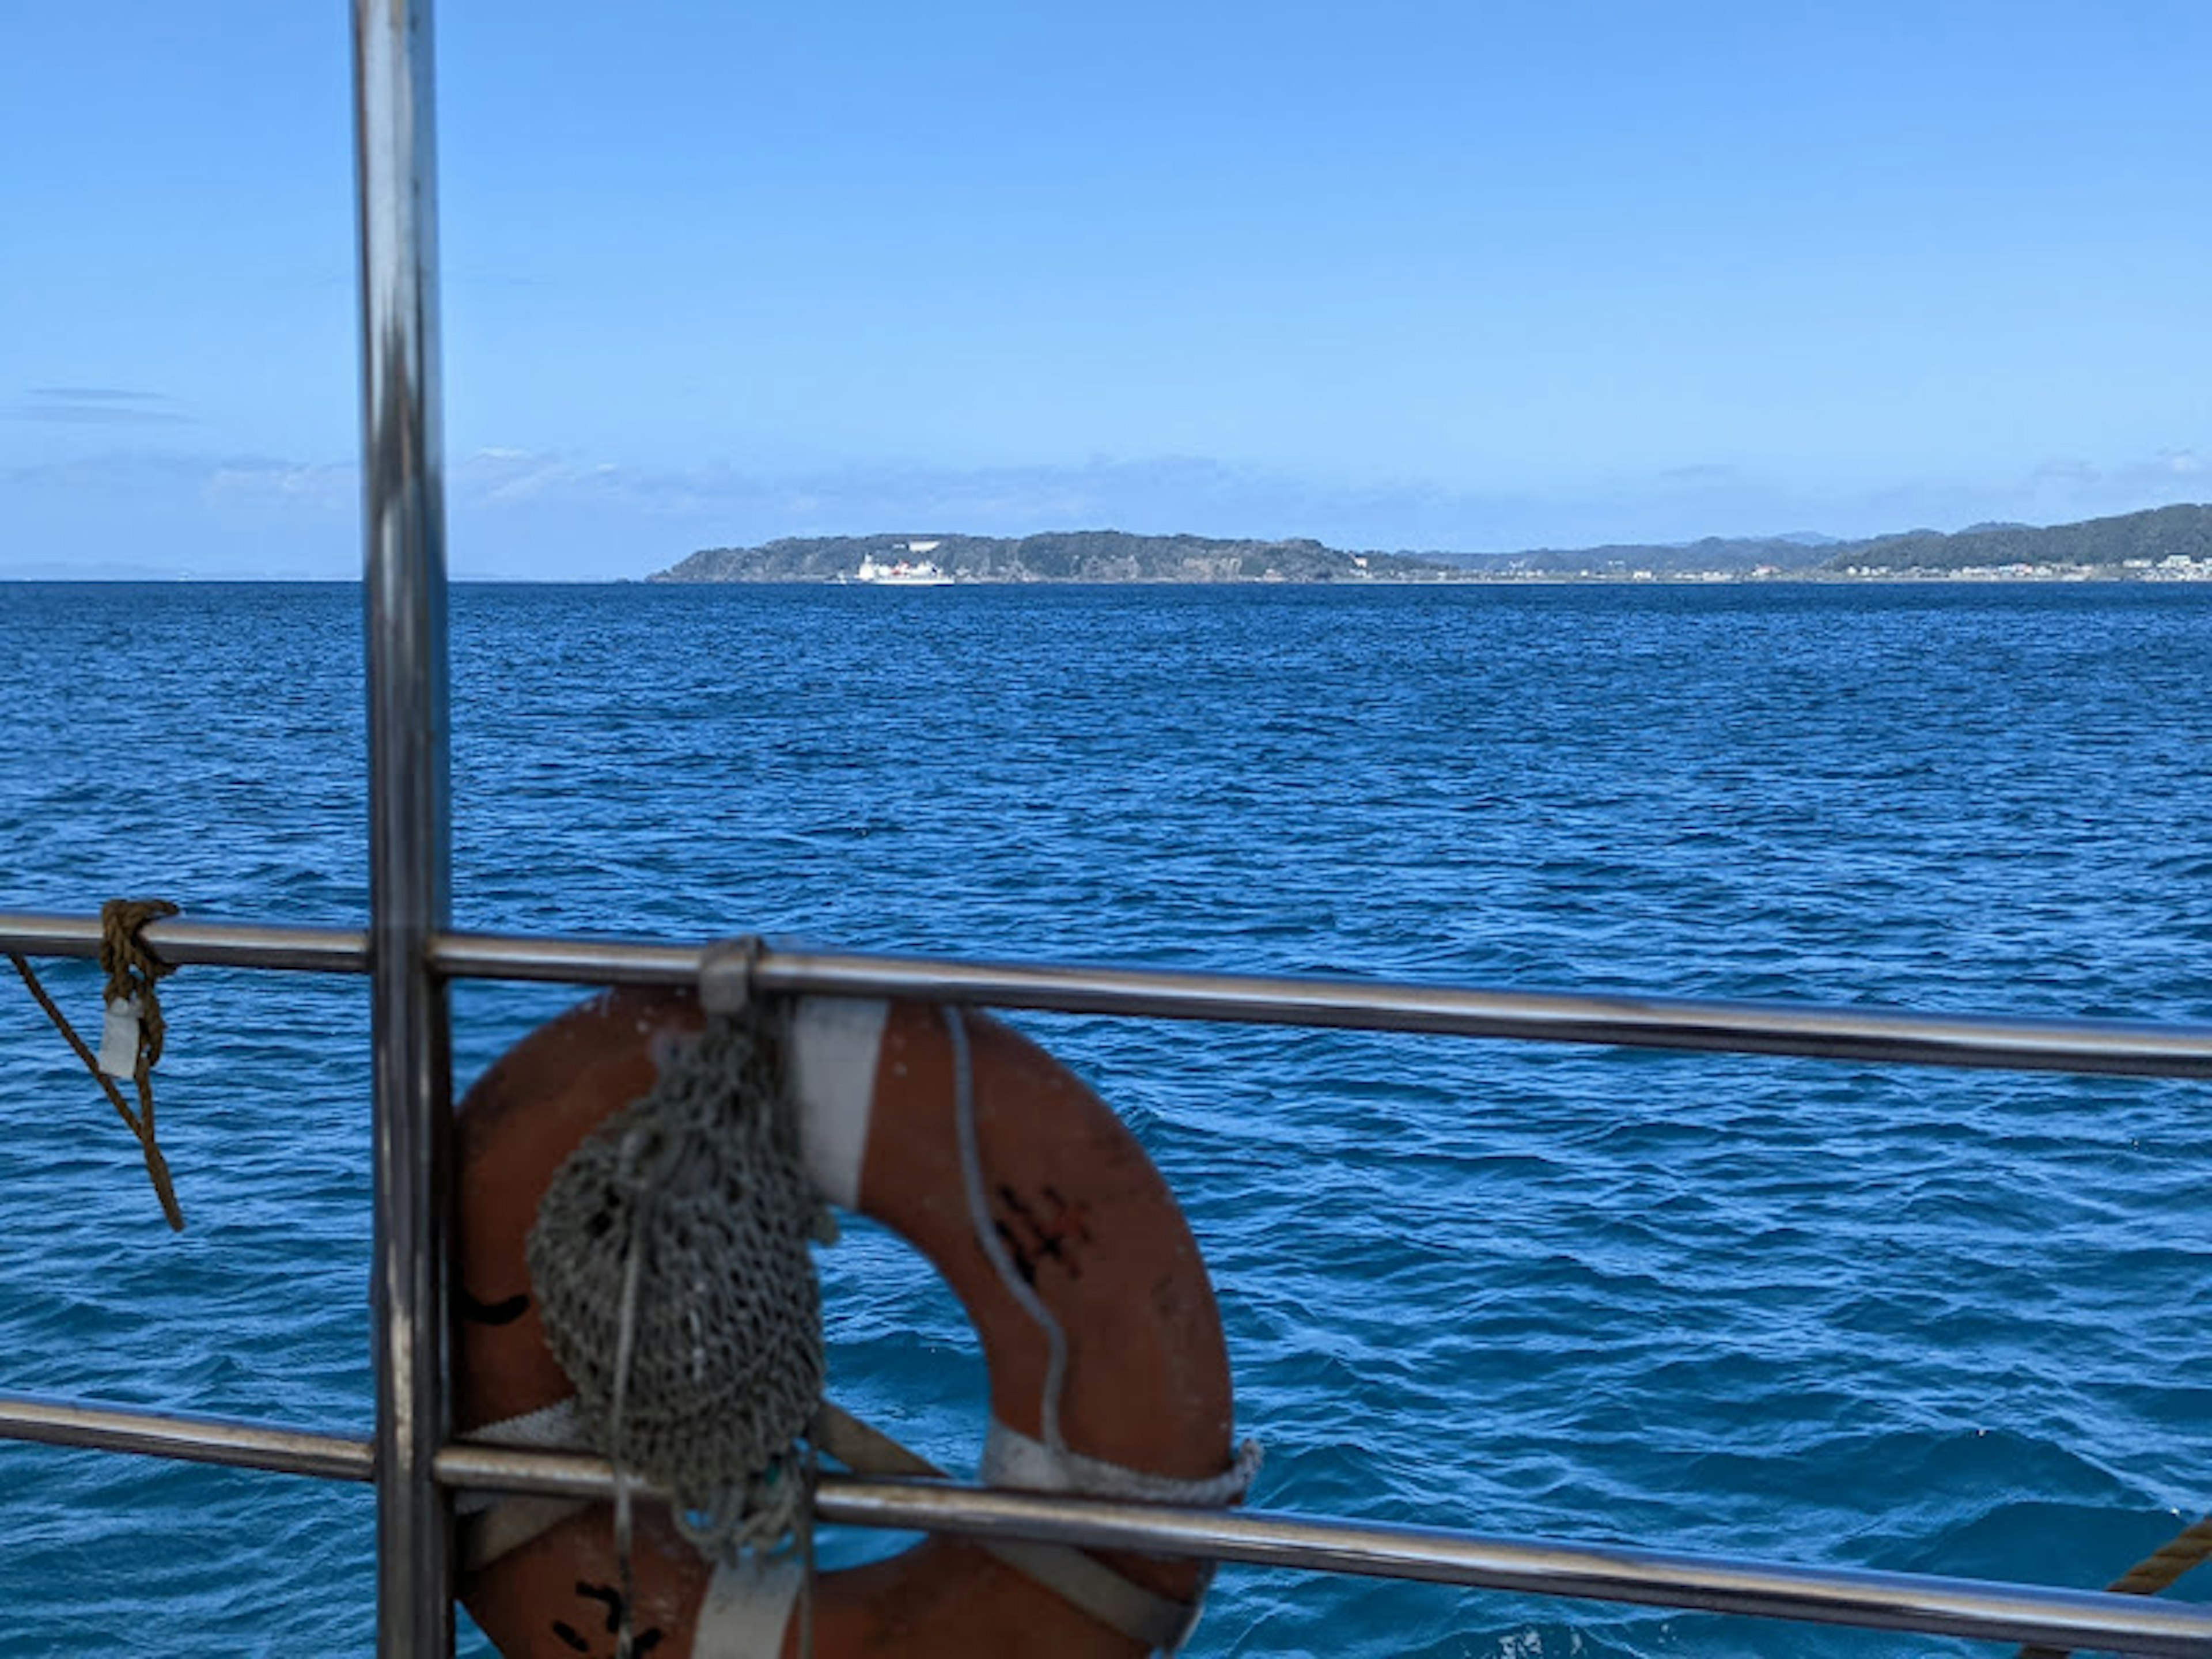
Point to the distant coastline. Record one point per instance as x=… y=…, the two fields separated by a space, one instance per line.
x=2166 y=544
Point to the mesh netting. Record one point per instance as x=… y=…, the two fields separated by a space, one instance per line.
x=671 y=1263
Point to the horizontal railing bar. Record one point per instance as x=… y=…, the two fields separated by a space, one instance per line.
x=1865 y=1036
x=1560 y=1016
x=191 y=1439
x=1987 y=1611
x=1882 y=1600
x=184 y=939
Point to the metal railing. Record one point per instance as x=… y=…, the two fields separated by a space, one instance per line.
x=1866 y=1035
x=1876 y=1601
x=409 y=954
x=1929 y=1604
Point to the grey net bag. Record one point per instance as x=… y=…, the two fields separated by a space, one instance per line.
x=671 y=1266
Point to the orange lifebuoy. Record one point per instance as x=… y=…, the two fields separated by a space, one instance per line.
x=1086 y=1220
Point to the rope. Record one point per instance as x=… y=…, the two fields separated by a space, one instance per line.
x=987 y=1235
x=1010 y=1457
x=2158 y=1571
x=2155 y=1572
x=133 y=972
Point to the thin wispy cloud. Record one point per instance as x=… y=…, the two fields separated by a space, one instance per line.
x=97 y=405
x=319 y=485
x=111 y=473
x=2065 y=470
x=2179 y=464
x=96 y=394
x=517 y=475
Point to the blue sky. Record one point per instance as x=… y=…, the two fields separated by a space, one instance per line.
x=1450 y=275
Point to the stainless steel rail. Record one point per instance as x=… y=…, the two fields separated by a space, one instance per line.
x=1881 y=1600
x=1832 y=1595
x=1864 y=1036
x=187 y=1439
x=403 y=524
x=187 y=940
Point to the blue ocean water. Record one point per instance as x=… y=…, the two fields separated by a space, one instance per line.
x=1881 y=1316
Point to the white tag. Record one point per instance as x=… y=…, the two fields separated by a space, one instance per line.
x=118 y=1039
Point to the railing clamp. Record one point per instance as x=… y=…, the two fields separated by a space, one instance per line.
x=726 y=970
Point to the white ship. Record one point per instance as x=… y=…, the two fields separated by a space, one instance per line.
x=917 y=572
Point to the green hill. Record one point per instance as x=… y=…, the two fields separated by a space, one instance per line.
x=2162 y=533
x=1080 y=555
x=2168 y=541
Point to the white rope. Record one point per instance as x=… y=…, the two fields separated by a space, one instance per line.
x=987 y=1235
x=1013 y=1459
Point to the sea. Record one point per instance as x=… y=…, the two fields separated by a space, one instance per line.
x=1864 y=1316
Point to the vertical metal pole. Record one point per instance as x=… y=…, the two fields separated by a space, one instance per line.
x=408 y=841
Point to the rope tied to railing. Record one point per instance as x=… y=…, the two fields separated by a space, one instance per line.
x=2162 y=1568
x=134 y=1031
x=133 y=972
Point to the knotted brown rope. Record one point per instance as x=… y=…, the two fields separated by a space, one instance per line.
x=133 y=971
x=2155 y=1572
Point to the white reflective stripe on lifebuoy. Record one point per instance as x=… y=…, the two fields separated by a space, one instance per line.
x=550 y=1428
x=1012 y=1458
x=746 y=1608
x=835 y=1043
x=555 y=1427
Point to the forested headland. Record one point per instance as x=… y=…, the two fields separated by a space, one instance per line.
x=2170 y=543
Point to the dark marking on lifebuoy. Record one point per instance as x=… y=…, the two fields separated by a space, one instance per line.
x=1036 y=1236
x=495 y=1313
x=644 y=1642
x=611 y=1596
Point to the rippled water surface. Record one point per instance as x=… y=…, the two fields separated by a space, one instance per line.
x=1913 y=1319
